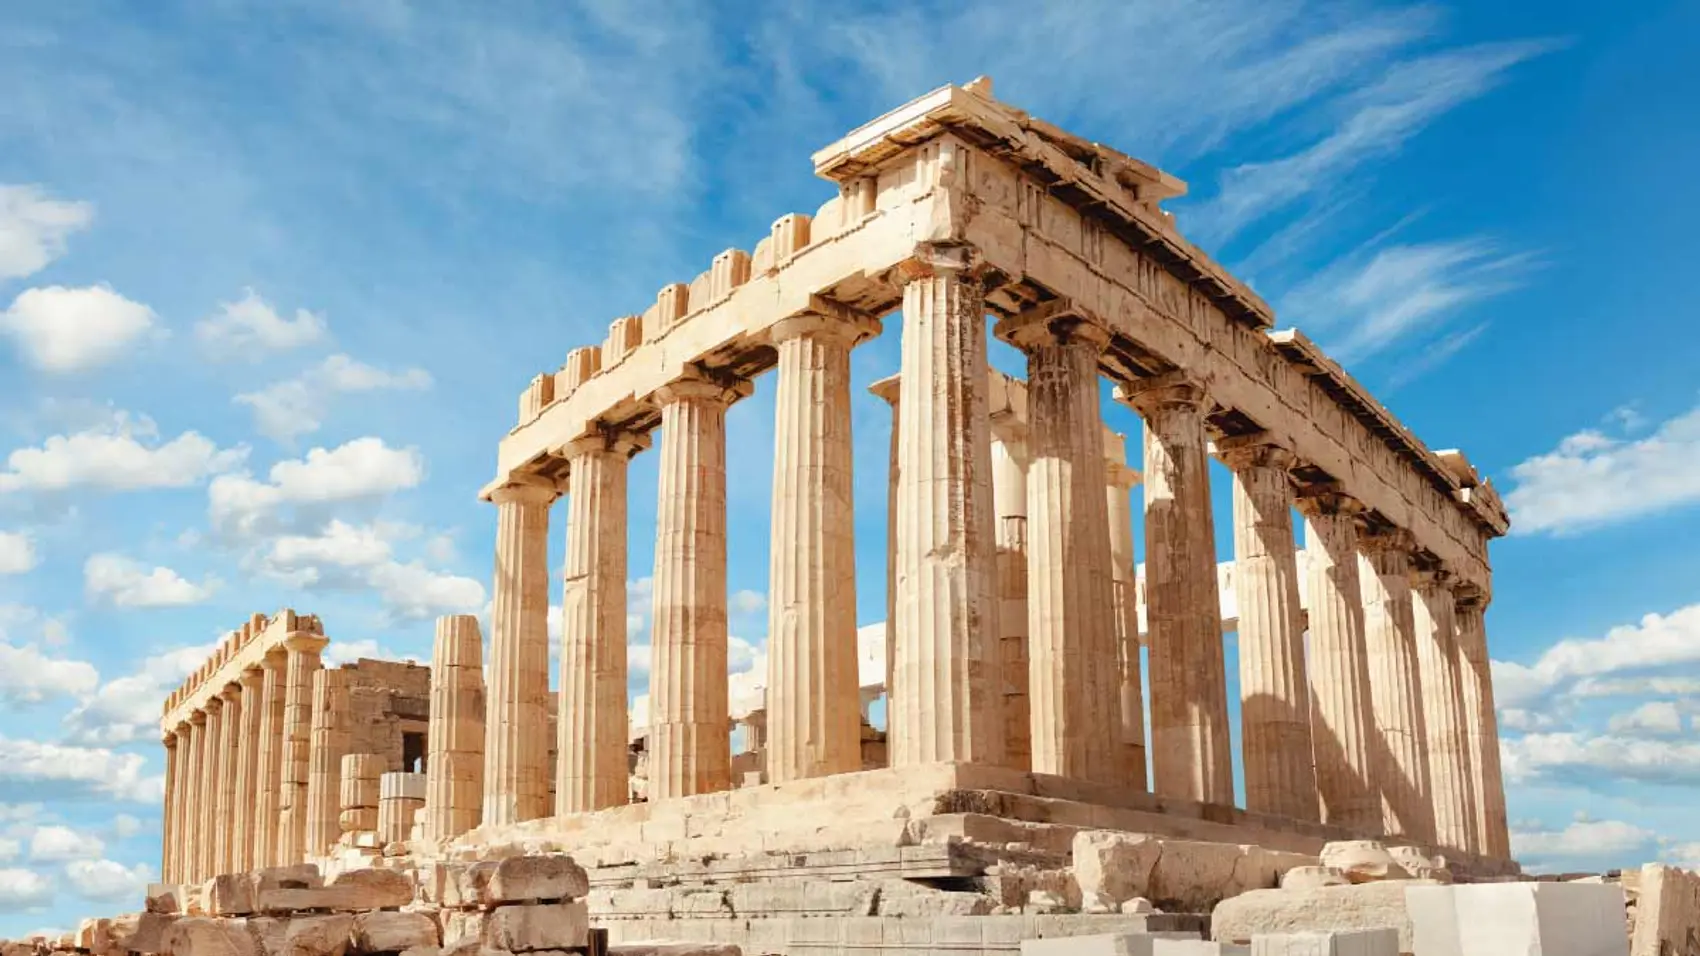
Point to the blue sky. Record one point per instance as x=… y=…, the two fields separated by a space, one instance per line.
x=272 y=276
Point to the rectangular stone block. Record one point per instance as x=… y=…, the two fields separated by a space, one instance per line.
x=1529 y=919
x=527 y=879
x=528 y=928
x=1103 y=944
x=1197 y=947
x=149 y=936
x=228 y=894
x=1667 y=910
x=1364 y=942
x=303 y=935
x=393 y=932
x=164 y=898
x=207 y=936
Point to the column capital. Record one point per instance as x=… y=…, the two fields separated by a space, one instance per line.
x=1168 y=391
x=522 y=488
x=253 y=675
x=1431 y=576
x=932 y=259
x=305 y=642
x=1057 y=322
x=213 y=706
x=1255 y=450
x=1327 y=499
x=231 y=692
x=169 y=739
x=610 y=440
x=697 y=386
x=1468 y=594
x=182 y=728
x=198 y=717
x=1395 y=540
x=839 y=327
x=889 y=388
x=1121 y=476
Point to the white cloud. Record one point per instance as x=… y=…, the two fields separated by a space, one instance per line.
x=23 y=890
x=33 y=228
x=347 y=556
x=1654 y=718
x=10 y=849
x=124 y=582
x=1597 y=843
x=27 y=676
x=363 y=468
x=1657 y=641
x=748 y=602
x=125 y=826
x=127 y=708
x=1524 y=721
x=414 y=591
x=59 y=329
x=1592 y=479
x=57 y=844
x=106 y=881
x=49 y=770
x=298 y=406
x=1636 y=687
x=251 y=328
x=122 y=453
x=1587 y=758
x=17 y=552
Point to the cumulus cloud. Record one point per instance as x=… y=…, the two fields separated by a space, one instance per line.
x=1592 y=479
x=1586 y=758
x=250 y=327
x=126 y=709
x=121 y=453
x=297 y=406
x=348 y=556
x=748 y=602
x=106 y=881
x=17 y=552
x=1583 y=843
x=34 y=227
x=22 y=889
x=1658 y=641
x=123 y=582
x=59 y=771
x=27 y=676
x=364 y=468
x=10 y=849
x=125 y=826
x=1656 y=718
x=59 y=329
x=57 y=844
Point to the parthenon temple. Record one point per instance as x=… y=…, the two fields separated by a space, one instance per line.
x=1043 y=673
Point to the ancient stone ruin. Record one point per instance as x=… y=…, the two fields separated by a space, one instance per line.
x=383 y=807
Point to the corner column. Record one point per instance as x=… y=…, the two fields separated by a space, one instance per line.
x=813 y=700
x=1469 y=612
x=516 y=746
x=1075 y=697
x=945 y=701
x=690 y=724
x=247 y=758
x=1009 y=494
x=301 y=650
x=1443 y=712
x=1190 y=755
x=212 y=778
x=1280 y=771
x=329 y=742
x=591 y=741
x=454 y=773
x=1342 y=720
x=229 y=739
x=173 y=766
x=268 y=763
x=1384 y=573
x=1120 y=482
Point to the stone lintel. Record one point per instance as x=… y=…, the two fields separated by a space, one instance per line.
x=1059 y=320
x=1326 y=498
x=246 y=650
x=1174 y=387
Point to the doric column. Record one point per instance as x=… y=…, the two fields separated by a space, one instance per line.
x=516 y=727
x=268 y=765
x=181 y=822
x=1470 y=606
x=229 y=736
x=690 y=745
x=173 y=766
x=1074 y=695
x=1384 y=574
x=247 y=757
x=1280 y=772
x=302 y=650
x=1190 y=755
x=454 y=785
x=1120 y=482
x=1342 y=722
x=212 y=771
x=195 y=808
x=946 y=696
x=329 y=740
x=888 y=389
x=814 y=723
x=591 y=716
x=1009 y=495
x=1443 y=712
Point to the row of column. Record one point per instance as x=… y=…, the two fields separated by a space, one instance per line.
x=1392 y=717
x=237 y=770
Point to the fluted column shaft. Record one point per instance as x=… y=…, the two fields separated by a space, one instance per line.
x=329 y=743
x=1280 y=772
x=195 y=808
x=247 y=757
x=181 y=821
x=946 y=699
x=212 y=770
x=1443 y=713
x=516 y=728
x=1075 y=696
x=1118 y=506
x=590 y=748
x=1342 y=721
x=1384 y=574
x=302 y=650
x=1482 y=724
x=229 y=737
x=268 y=762
x=173 y=766
x=1190 y=756
x=454 y=774
x=889 y=390
x=813 y=701
x=1009 y=494
x=690 y=724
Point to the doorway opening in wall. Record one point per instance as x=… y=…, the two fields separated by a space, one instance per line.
x=413 y=753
